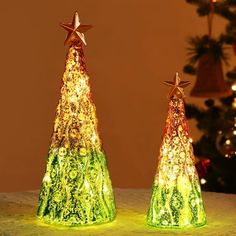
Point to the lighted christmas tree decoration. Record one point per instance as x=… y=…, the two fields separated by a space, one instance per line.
x=176 y=200
x=76 y=188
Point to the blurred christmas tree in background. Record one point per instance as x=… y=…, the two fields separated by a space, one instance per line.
x=216 y=148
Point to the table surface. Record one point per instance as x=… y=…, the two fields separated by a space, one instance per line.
x=17 y=216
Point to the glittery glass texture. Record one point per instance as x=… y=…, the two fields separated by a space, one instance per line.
x=76 y=188
x=176 y=200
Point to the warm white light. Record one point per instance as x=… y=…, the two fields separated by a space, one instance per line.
x=234 y=103
x=105 y=189
x=233 y=87
x=72 y=99
x=202 y=181
x=165 y=151
x=186 y=222
x=46 y=178
x=86 y=184
x=228 y=141
x=94 y=137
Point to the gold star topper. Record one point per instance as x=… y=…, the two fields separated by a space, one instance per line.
x=75 y=31
x=177 y=85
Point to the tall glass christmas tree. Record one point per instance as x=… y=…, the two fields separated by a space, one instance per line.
x=76 y=188
x=176 y=197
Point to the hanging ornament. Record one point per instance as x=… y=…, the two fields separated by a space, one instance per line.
x=210 y=79
x=226 y=142
x=208 y=54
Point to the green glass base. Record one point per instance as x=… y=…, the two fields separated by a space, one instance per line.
x=177 y=205
x=76 y=189
x=59 y=223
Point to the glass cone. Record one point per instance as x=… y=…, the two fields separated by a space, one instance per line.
x=176 y=200
x=76 y=188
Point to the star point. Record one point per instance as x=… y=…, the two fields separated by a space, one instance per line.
x=177 y=85
x=75 y=31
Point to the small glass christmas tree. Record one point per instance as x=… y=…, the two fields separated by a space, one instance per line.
x=176 y=197
x=76 y=188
